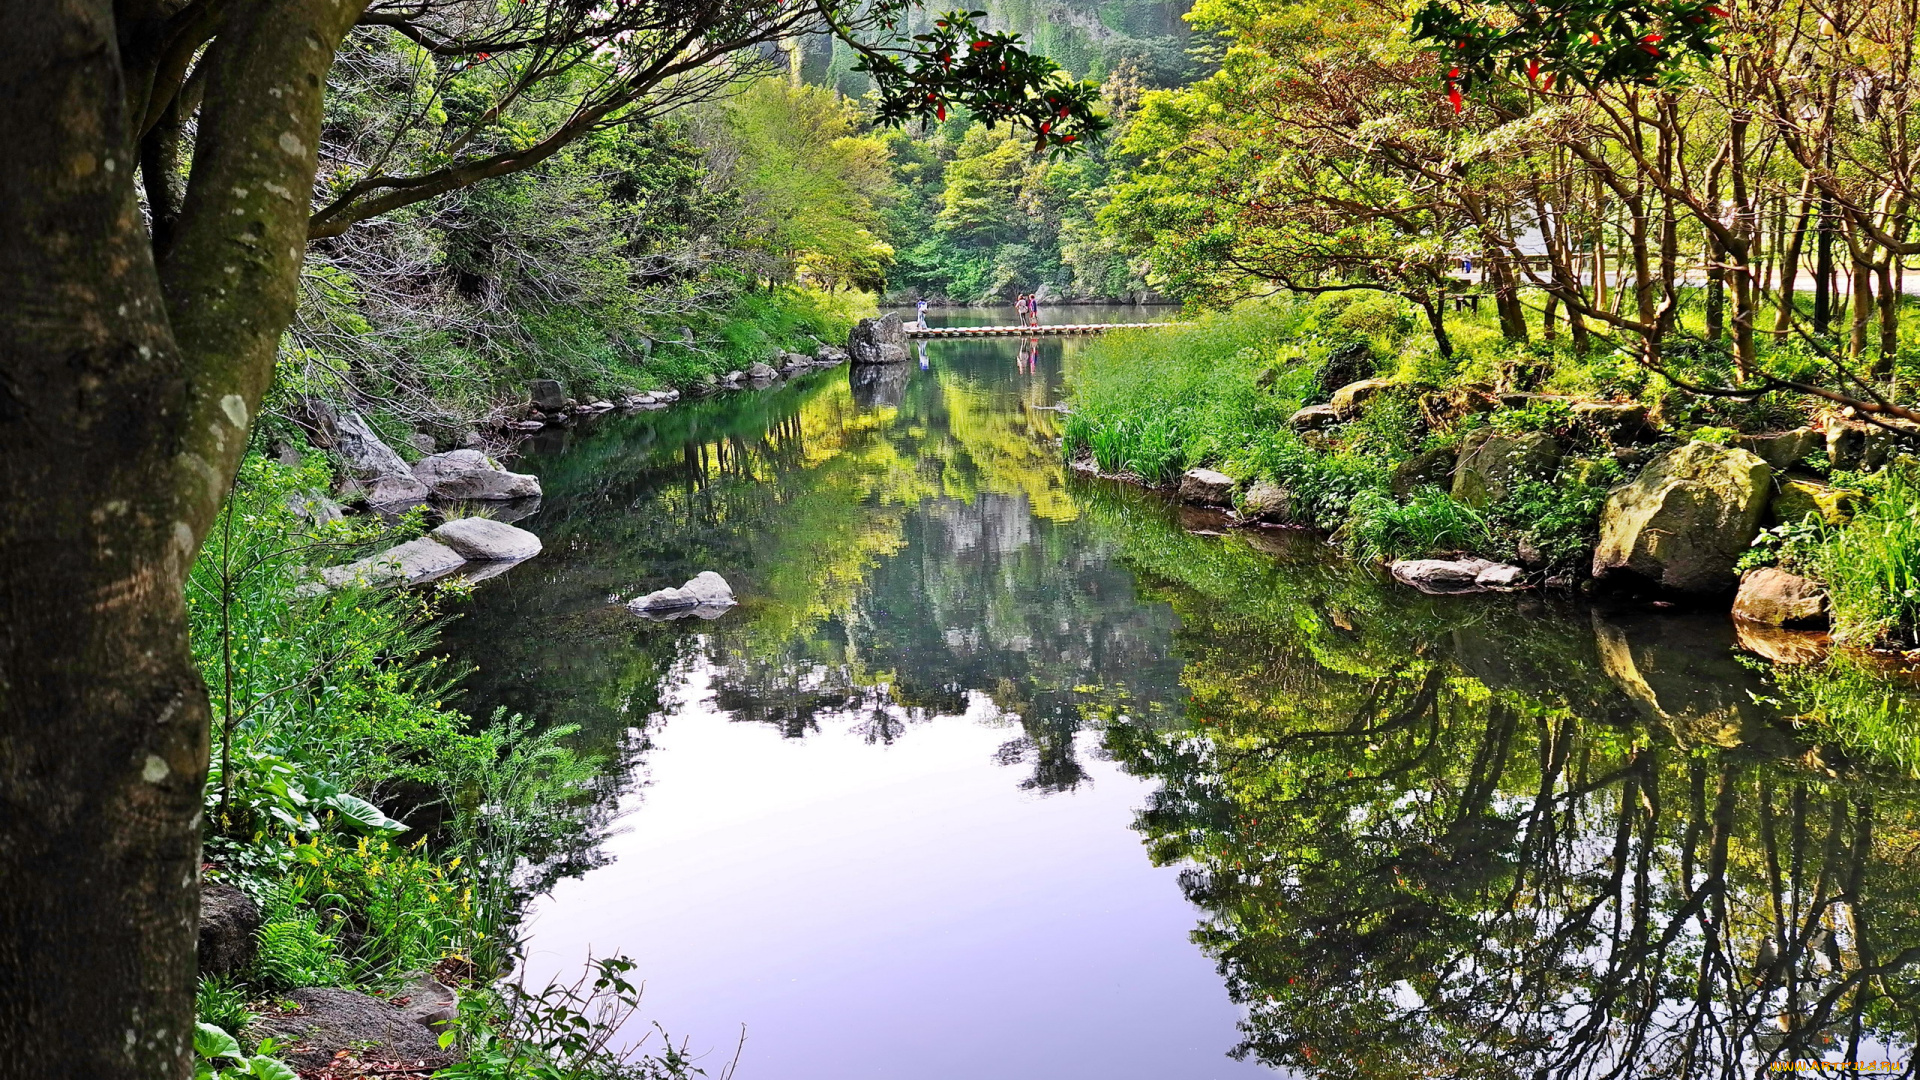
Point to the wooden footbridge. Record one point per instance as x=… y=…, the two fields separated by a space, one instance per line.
x=1047 y=330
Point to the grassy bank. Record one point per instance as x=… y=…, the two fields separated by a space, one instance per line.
x=380 y=832
x=1381 y=477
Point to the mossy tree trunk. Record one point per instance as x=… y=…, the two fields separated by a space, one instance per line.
x=128 y=382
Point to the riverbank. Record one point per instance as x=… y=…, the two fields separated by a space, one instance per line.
x=1507 y=469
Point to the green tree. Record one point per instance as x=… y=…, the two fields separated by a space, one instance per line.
x=142 y=305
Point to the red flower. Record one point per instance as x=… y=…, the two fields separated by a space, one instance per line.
x=1453 y=95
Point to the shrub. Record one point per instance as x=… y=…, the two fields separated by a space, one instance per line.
x=1430 y=522
x=1556 y=523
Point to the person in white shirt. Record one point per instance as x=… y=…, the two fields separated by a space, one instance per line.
x=921 y=308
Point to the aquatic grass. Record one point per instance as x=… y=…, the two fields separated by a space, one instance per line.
x=1383 y=528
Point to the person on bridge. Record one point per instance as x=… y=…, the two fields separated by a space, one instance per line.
x=921 y=310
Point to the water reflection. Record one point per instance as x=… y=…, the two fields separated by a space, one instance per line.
x=1426 y=836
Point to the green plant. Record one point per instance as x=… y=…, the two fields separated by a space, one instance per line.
x=1555 y=523
x=294 y=950
x=1793 y=546
x=561 y=1032
x=212 y=1046
x=1430 y=522
x=218 y=1002
x=1872 y=566
x=1537 y=415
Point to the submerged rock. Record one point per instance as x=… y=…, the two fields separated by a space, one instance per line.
x=1685 y=520
x=1772 y=597
x=486 y=539
x=323 y=1021
x=1444 y=577
x=707 y=595
x=470 y=474
x=1207 y=487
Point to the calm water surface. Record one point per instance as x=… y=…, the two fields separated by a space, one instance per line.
x=1000 y=772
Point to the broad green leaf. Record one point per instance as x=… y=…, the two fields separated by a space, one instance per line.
x=362 y=816
x=213 y=1043
x=267 y=1068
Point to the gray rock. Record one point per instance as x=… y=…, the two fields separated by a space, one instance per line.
x=1772 y=597
x=1782 y=449
x=470 y=474
x=1489 y=465
x=1349 y=400
x=547 y=395
x=1314 y=418
x=324 y=1021
x=706 y=595
x=829 y=354
x=228 y=921
x=522 y=425
x=484 y=538
x=762 y=373
x=1207 y=487
x=598 y=406
x=1445 y=577
x=1267 y=501
x=1685 y=520
x=878 y=341
x=315 y=507
x=1619 y=422
x=422 y=442
x=368 y=459
x=1429 y=467
x=414 y=561
x=427 y=1001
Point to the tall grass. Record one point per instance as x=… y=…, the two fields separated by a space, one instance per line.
x=1872 y=566
x=1382 y=528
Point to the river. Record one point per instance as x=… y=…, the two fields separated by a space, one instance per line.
x=998 y=771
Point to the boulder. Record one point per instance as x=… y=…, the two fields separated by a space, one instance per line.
x=1621 y=422
x=422 y=442
x=1346 y=364
x=1685 y=520
x=1772 y=597
x=1314 y=418
x=1443 y=577
x=1349 y=400
x=486 y=539
x=1207 y=487
x=830 y=354
x=1431 y=467
x=383 y=471
x=414 y=561
x=762 y=373
x=547 y=395
x=228 y=921
x=427 y=1001
x=878 y=341
x=1860 y=446
x=1490 y=464
x=706 y=595
x=1267 y=501
x=315 y=507
x=1781 y=449
x=319 y=1022
x=470 y=474
x=1798 y=498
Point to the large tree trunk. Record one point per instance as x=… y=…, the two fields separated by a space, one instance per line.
x=126 y=394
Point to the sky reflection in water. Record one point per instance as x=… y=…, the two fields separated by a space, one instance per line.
x=881 y=813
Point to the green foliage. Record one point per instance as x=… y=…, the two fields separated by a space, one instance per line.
x=1555 y=523
x=1871 y=566
x=1538 y=415
x=1588 y=42
x=219 y=1002
x=1382 y=528
x=295 y=950
x=217 y=1056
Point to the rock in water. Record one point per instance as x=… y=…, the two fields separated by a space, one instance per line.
x=228 y=920
x=484 y=538
x=470 y=474
x=1207 y=487
x=1685 y=520
x=707 y=595
x=878 y=341
x=1267 y=501
x=1772 y=597
x=547 y=395
x=760 y=372
x=324 y=1021
x=414 y=561
x=1489 y=465
x=1445 y=577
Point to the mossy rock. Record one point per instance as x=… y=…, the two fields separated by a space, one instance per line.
x=1433 y=467
x=1686 y=519
x=1490 y=464
x=1349 y=400
x=1798 y=498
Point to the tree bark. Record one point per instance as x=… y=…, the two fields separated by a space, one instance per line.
x=127 y=389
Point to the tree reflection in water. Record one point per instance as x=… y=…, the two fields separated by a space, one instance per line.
x=1433 y=870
